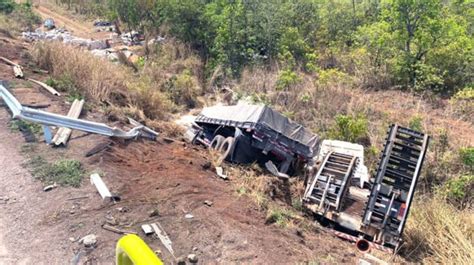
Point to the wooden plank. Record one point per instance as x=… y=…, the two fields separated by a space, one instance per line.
x=63 y=134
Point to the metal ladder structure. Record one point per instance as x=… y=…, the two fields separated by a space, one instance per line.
x=392 y=192
x=331 y=182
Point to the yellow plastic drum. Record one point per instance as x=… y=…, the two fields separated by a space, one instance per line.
x=132 y=250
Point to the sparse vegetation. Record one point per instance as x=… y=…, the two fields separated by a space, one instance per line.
x=17 y=17
x=349 y=128
x=25 y=126
x=63 y=172
x=437 y=232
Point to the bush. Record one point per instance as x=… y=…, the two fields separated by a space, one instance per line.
x=7 y=6
x=415 y=123
x=349 y=128
x=467 y=156
x=459 y=191
x=183 y=89
x=287 y=79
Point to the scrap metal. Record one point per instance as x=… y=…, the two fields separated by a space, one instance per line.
x=45 y=86
x=51 y=119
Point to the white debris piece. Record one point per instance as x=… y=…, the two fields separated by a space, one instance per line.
x=97 y=181
x=160 y=232
x=147 y=229
x=220 y=173
x=89 y=240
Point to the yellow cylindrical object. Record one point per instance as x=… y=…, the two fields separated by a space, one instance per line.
x=132 y=250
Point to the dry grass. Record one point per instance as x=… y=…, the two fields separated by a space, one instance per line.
x=102 y=81
x=438 y=233
x=177 y=71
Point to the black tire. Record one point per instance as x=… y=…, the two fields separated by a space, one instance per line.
x=226 y=147
x=216 y=143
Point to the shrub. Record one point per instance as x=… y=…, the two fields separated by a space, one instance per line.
x=467 y=156
x=7 y=6
x=459 y=191
x=415 y=123
x=183 y=89
x=286 y=79
x=349 y=128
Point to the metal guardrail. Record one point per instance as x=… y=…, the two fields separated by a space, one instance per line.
x=51 y=119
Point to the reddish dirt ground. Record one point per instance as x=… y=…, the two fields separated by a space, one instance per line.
x=45 y=227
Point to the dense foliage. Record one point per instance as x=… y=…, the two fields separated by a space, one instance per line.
x=416 y=44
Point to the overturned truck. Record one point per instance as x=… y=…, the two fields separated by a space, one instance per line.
x=252 y=133
x=369 y=211
x=373 y=214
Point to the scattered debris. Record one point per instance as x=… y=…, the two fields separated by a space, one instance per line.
x=49 y=23
x=4 y=199
x=99 y=148
x=181 y=261
x=274 y=170
x=40 y=71
x=154 y=213
x=116 y=230
x=375 y=259
x=163 y=237
x=168 y=140
x=364 y=262
x=192 y=258
x=62 y=135
x=37 y=106
x=220 y=173
x=206 y=165
x=147 y=229
x=97 y=181
x=8 y=61
x=89 y=240
x=77 y=198
x=50 y=187
x=45 y=86
x=123 y=209
x=208 y=203
x=17 y=70
x=188 y=216
x=65 y=37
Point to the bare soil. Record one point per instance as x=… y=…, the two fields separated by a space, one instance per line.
x=40 y=227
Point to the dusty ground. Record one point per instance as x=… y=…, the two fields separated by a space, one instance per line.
x=44 y=227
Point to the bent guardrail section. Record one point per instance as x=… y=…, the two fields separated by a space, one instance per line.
x=51 y=119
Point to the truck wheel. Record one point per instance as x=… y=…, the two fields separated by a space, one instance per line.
x=216 y=143
x=226 y=147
